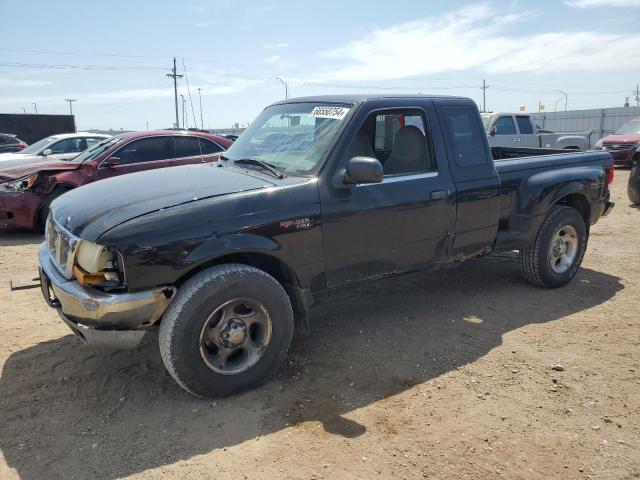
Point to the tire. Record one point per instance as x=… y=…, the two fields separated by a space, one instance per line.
x=43 y=213
x=190 y=319
x=538 y=260
x=633 y=187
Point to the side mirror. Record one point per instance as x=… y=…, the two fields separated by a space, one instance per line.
x=111 y=162
x=47 y=152
x=363 y=170
x=493 y=131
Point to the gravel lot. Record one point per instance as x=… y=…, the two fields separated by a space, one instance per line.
x=441 y=375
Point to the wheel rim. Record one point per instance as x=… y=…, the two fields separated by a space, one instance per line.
x=235 y=336
x=563 y=249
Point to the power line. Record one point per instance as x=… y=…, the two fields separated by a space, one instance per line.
x=64 y=66
x=186 y=79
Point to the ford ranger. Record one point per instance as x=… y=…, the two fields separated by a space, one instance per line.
x=317 y=194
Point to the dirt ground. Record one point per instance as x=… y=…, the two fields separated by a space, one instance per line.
x=442 y=375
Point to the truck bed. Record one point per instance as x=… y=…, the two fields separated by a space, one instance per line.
x=523 y=172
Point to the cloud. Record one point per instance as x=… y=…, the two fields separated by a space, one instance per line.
x=272 y=59
x=206 y=24
x=216 y=85
x=277 y=45
x=14 y=82
x=478 y=37
x=602 y=3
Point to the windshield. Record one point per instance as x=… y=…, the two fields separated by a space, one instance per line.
x=629 y=128
x=39 y=145
x=93 y=152
x=293 y=137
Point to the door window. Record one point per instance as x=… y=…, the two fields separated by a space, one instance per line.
x=505 y=126
x=468 y=139
x=401 y=142
x=208 y=147
x=524 y=125
x=146 y=150
x=68 y=145
x=186 y=146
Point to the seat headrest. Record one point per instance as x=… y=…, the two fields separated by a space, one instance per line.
x=409 y=142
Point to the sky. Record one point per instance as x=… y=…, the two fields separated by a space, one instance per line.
x=113 y=57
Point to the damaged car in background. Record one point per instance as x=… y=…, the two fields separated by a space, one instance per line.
x=27 y=188
x=318 y=194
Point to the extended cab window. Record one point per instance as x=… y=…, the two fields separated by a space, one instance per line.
x=467 y=137
x=400 y=141
x=524 y=125
x=208 y=147
x=186 y=146
x=505 y=126
x=146 y=150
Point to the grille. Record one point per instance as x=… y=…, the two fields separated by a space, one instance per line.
x=618 y=146
x=62 y=246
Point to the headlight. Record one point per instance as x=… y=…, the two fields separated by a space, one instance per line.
x=24 y=183
x=93 y=258
x=598 y=145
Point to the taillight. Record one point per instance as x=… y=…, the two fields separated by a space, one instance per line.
x=610 y=172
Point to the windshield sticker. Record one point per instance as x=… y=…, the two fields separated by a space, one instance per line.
x=337 y=113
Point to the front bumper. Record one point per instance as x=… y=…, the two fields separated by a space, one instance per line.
x=623 y=157
x=101 y=318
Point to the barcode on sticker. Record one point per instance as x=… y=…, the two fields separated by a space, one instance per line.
x=337 y=113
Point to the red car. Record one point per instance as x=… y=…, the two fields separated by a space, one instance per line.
x=27 y=188
x=624 y=144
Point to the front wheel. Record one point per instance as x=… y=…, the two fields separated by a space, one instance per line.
x=227 y=330
x=556 y=253
x=633 y=187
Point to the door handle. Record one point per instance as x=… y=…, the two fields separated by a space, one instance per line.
x=484 y=194
x=516 y=140
x=438 y=195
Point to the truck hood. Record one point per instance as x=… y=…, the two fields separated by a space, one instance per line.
x=630 y=139
x=28 y=165
x=90 y=211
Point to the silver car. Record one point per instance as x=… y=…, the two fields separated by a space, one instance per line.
x=56 y=147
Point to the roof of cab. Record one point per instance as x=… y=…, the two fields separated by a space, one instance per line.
x=360 y=98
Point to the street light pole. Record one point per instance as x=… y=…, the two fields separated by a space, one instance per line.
x=36 y=107
x=201 y=117
x=70 y=100
x=184 y=109
x=564 y=94
x=286 y=88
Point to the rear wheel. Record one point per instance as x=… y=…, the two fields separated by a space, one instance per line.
x=633 y=187
x=227 y=330
x=555 y=255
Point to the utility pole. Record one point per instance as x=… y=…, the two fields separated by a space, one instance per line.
x=201 y=117
x=484 y=95
x=175 y=77
x=637 y=94
x=24 y=111
x=286 y=88
x=147 y=126
x=70 y=100
x=36 y=107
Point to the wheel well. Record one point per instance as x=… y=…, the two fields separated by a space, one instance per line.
x=55 y=193
x=580 y=203
x=269 y=264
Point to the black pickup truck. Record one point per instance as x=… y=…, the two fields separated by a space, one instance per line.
x=317 y=194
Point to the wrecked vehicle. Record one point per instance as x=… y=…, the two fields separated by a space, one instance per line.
x=27 y=188
x=225 y=257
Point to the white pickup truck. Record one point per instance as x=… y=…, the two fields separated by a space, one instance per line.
x=518 y=130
